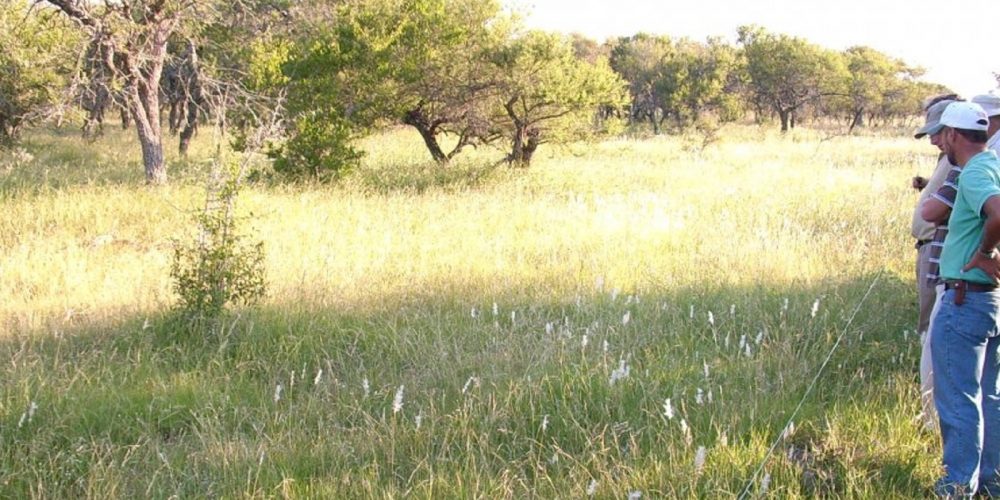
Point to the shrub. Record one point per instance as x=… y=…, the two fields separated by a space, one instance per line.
x=220 y=267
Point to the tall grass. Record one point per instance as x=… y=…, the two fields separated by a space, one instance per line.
x=473 y=331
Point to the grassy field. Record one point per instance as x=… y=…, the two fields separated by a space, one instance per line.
x=637 y=316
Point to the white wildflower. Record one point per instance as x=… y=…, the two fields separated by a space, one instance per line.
x=743 y=340
x=397 y=401
x=626 y=318
x=592 y=488
x=815 y=309
x=614 y=294
x=634 y=495
x=704 y=365
x=469 y=383
x=319 y=376
x=760 y=337
x=686 y=431
x=584 y=341
x=291 y=381
x=606 y=346
x=549 y=328
x=277 y=392
x=555 y=459
x=711 y=318
x=366 y=386
x=699 y=396
x=419 y=419
x=619 y=373
x=746 y=350
x=474 y=313
x=709 y=396
x=784 y=305
x=699 y=459
x=691 y=312
x=788 y=431
x=732 y=309
x=545 y=423
x=28 y=415
x=764 y=484
x=513 y=316
x=496 y=309
x=668 y=409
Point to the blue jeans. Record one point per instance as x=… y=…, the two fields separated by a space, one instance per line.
x=964 y=351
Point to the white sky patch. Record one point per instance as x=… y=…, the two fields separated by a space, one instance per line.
x=942 y=38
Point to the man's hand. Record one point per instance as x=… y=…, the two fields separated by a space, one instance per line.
x=989 y=265
x=919 y=183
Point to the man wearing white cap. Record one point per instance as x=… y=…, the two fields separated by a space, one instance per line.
x=991 y=104
x=965 y=338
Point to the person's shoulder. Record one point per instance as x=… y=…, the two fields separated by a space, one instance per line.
x=986 y=160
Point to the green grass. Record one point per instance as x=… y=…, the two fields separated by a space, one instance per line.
x=598 y=255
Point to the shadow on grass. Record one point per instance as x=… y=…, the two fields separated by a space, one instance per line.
x=183 y=392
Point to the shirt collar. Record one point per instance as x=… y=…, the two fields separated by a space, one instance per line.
x=994 y=141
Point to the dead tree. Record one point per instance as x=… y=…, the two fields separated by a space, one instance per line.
x=132 y=38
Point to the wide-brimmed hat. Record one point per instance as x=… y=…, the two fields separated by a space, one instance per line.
x=989 y=102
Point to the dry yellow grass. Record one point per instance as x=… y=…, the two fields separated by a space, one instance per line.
x=634 y=214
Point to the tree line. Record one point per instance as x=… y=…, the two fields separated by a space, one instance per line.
x=462 y=73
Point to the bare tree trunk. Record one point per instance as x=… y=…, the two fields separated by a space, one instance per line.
x=145 y=106
x=192 y=98
x=416 y=119
x=190 y=127
x=150 y=137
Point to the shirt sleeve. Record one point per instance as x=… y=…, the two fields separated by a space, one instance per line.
x=947 y=192
x=977 y=187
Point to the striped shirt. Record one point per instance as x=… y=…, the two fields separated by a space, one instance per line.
x=945 y=194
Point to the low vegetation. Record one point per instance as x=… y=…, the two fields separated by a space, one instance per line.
x=631 y=316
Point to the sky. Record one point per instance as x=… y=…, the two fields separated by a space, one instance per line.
x=948 y=39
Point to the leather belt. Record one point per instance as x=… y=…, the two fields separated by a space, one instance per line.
x=960 y=287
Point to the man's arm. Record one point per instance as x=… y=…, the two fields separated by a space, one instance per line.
x=935 y=211
x=937 y=207
x=991 y=238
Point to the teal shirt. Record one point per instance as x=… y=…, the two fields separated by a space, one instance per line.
x=979 y=181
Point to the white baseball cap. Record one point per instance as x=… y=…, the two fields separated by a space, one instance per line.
x=989 y=102
x=966 y=116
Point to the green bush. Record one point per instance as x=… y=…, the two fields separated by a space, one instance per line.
x=318 y=148
x=220 y=266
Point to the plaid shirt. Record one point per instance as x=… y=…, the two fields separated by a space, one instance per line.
x=945 y=194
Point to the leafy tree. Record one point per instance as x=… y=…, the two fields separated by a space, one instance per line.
x=695 y=78
x=421 y=62
x=874 y=79
x=36 y=65
x=588 y=49
x=786 y=73
x=638 y=59
x=549 y=95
